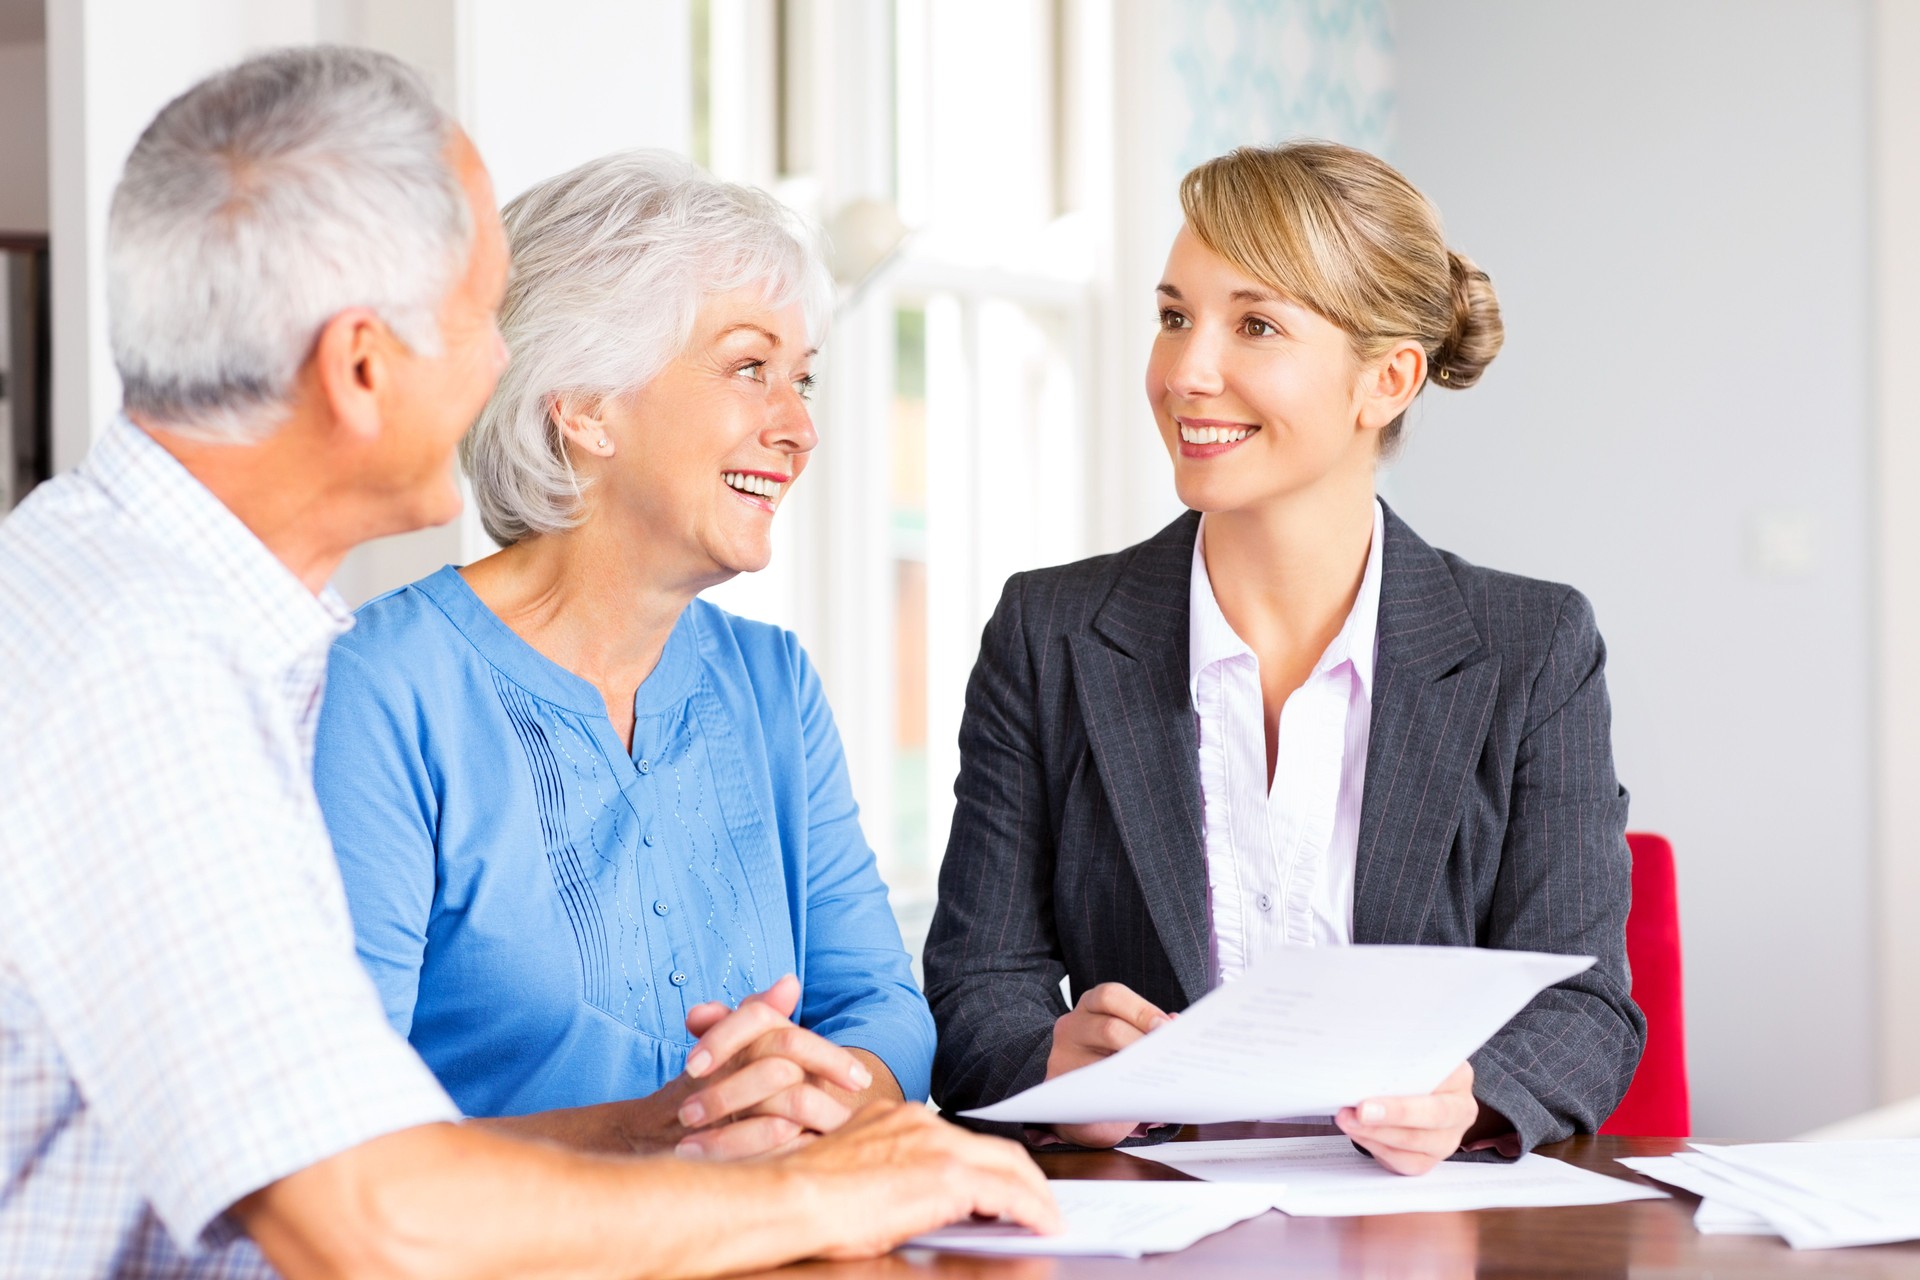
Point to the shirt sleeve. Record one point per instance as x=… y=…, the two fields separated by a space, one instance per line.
x=382 y=813
x=180 y=924
x=859 y=989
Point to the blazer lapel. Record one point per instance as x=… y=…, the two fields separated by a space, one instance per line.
x=1433 y=697
x=1130 y=674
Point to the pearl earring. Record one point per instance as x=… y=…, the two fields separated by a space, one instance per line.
x=604 y=444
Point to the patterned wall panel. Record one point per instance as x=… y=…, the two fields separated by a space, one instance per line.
x=1262 y=71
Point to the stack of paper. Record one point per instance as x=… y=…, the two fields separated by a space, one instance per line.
x=1327 y=1178
x=1817 y=1195
x=1116 y=1219
x=1310 y=1030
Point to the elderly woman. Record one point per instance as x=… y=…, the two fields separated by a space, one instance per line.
x=603 y=858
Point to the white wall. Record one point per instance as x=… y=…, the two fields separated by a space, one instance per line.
x=111 y=65
x=23 y=137
x=1671 y=196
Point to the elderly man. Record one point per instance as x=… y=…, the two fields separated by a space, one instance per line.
x=195 y=1073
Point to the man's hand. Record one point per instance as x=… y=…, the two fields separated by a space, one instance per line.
x=1107 y=1019
x=1411 y=1135
x=896 y=1170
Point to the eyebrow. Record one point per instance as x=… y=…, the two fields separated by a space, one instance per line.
x=749 y=327
x=1238 y=295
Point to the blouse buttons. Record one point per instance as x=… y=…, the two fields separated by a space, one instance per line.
x=660 y=908
x=1266 y=903
x=678 y=978
x=647 y=839
x=645 y=767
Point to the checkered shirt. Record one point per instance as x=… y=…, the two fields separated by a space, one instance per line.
x=183 y=1018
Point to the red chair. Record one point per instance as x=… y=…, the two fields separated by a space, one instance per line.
x=1656 y=1104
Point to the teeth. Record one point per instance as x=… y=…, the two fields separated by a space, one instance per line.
x=1215 y=435
x=758 y=486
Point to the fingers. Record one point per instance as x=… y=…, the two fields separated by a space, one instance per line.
x=741 y=1140
x=998 y=1193
x=1411 y=1135
x=740 y=1091
x=1411 y=1163
x=1095 y=1135
x=783 y=996
x=1118 y=1001
x=743 y=1030
x=1018 y=1191
x=1449 y=1105
x=702 y=1018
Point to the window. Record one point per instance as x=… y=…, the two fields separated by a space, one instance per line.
x=954 y=414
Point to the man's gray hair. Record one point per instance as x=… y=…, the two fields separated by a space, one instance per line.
x=610 y=264
x=260 y=204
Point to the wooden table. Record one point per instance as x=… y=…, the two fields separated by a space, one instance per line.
x=1652 y=1238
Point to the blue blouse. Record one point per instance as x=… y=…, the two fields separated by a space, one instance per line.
x=540 y=909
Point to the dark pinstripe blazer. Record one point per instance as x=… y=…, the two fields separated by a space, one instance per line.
x=1491 y=817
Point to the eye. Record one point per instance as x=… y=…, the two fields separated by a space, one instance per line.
x=804 y=384
x=752 y=369
x=1171 y=319
x=1255 y=327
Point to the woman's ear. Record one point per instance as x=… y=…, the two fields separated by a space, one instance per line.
x=582 y=423
x=1389 y=384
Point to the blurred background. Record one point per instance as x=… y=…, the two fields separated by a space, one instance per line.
x=1703 y=220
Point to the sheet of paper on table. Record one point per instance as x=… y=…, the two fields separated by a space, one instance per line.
x=1816 y=1195
x=1718 y=1218
x=1115 y=1219
x=1327 y=1178
x=1310 y=1030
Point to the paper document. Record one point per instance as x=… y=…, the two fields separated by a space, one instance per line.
x=1327 y=1178
x=1310 y=1030
x=1718 y=1218
x=1115 y=1219
x=1816 y=1195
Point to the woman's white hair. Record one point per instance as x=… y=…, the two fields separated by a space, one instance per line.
x=610 y=264
x=260 y=204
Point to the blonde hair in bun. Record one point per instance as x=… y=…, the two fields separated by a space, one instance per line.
x=1339 y=231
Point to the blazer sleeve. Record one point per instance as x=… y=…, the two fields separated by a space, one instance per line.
x=1565 y=881
x=992 y=960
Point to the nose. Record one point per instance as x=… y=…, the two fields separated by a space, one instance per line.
x=791 y=430
x=1194 y=373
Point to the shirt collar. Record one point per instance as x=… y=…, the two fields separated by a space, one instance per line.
x=1211 y=639
x=164 y=498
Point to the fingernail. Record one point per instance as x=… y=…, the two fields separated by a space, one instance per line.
x=692 y=1114
x=1158 y=1023
x=861 y=1076
x=698 y=1062
x=1372 y=1112
x=689 y=1151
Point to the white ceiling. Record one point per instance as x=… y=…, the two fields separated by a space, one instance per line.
x=23 y=20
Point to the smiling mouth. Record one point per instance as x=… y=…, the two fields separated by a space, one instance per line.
x=756 y=485
x=1215 y=433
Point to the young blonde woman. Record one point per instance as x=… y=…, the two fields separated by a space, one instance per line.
x=1285 y=720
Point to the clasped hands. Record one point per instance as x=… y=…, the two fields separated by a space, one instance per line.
x=1406 y=1135
x=755 y=1083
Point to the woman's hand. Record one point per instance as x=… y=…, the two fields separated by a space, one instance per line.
x=756 y=1084
x=1411 y=1135
x=1107 y=1019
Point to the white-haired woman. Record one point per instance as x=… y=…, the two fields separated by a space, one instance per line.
x=597 y=835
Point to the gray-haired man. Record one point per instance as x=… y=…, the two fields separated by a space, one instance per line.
x=195 y=1074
